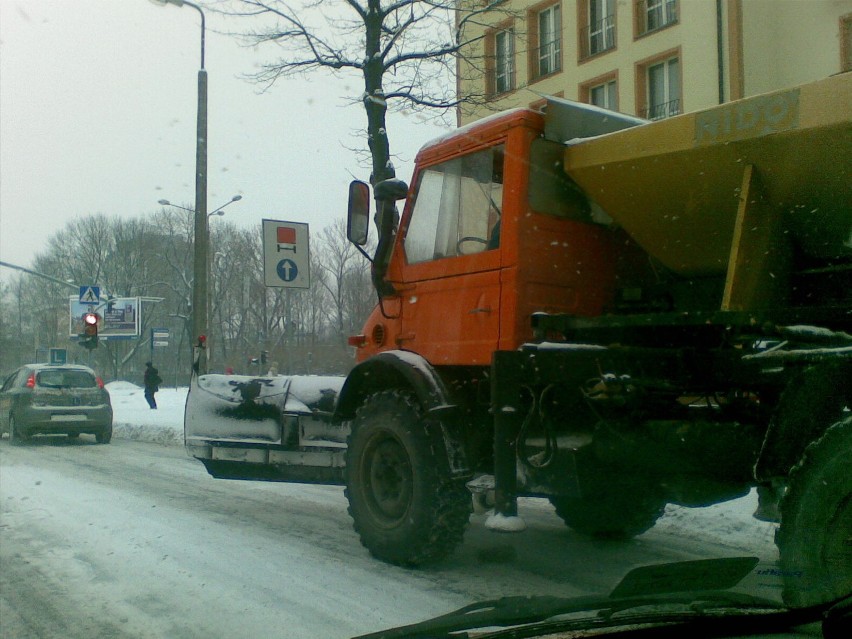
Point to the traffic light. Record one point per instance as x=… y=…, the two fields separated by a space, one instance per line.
x=89 y=337
x=263 y=356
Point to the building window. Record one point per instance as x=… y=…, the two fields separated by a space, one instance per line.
x=846 y=43
x=655 y=14
x=601 y=91
x=504 y=61
x=549 y=36
x=604 y=95
x=662 y=89
x=598 y=32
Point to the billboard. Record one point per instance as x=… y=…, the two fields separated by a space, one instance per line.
x=119 y=318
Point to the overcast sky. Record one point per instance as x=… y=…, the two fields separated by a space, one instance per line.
x=98 y=110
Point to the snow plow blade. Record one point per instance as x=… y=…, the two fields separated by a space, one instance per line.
x=275 y=428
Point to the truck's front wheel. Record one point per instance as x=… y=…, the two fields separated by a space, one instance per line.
x=815 y=536
x=405 y=506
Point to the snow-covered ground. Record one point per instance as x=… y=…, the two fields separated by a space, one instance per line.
x=732 y=522
x=132 y=419
x=136 y=540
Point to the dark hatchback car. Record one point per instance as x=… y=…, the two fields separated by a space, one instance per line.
x=47 y=399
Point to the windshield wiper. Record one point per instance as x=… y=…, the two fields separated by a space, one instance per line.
x=647 y=595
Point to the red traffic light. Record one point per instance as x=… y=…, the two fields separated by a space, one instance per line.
x=90 y=323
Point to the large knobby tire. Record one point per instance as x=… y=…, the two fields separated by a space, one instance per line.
x=815 y=536
x=616 y=510
x=405 y=506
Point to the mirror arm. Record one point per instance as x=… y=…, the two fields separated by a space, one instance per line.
x=363 y=252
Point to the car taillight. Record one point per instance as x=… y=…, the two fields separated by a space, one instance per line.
x=100 y=382
x=31 y=381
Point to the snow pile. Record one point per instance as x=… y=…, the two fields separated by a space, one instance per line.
x=132 y=419
x=733 y=527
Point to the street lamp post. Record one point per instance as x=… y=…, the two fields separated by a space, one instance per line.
x=202 y=298
x=200 y=248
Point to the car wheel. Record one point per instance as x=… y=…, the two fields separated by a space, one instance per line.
x=15 y=435
x=105 y=436
x=73 y=435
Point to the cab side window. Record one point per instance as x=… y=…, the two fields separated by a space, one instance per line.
x=458 y=206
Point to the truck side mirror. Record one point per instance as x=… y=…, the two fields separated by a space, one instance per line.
x=358 y=222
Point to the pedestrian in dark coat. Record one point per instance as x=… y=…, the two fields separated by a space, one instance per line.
x=152 y=381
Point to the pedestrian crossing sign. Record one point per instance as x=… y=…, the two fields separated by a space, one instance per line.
x=90 y=294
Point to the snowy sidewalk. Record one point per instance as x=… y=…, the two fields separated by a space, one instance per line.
x=132 y=419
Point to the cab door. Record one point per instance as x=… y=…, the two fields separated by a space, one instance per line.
x=450 y=305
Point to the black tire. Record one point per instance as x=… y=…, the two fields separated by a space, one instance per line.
x=15 y=436
x=73 y=435
x=614 y=511
x=815 y=536
x=105 y=436
x=405 y=506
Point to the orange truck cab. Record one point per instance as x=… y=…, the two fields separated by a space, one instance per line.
x=493 y=231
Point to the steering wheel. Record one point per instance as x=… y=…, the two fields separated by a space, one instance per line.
x=468 y=238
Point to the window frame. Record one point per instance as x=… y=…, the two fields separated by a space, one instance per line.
x=670 y=10
x=537 y=55
x=493 y=87
x=412 y=244
x=643 y=85
x=586 y=88
x=605 y=28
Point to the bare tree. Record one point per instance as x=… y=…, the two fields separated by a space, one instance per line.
x=405 y=51
x=302 y=330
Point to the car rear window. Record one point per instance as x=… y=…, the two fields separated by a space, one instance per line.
x=66 y=379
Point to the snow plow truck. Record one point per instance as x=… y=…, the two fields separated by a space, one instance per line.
x=606 y=312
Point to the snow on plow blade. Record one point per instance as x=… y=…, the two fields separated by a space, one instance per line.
x=276 y=428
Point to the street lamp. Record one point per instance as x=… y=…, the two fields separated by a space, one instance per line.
x=200 y=248
x=217 y=211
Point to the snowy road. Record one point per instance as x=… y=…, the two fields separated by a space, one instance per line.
x=135 y=540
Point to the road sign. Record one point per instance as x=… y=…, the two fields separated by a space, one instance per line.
x=90 y=294
x=286 y=254
x=159 y=337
